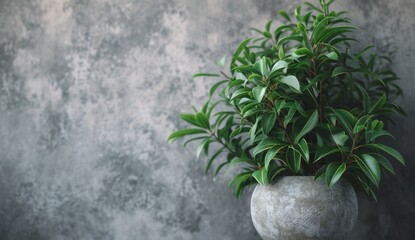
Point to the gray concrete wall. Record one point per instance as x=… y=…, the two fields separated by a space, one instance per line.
x=90 y=90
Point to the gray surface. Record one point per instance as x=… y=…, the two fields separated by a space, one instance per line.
x=90 y=90
x=299 y=208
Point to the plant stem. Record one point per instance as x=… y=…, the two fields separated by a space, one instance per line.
x=355 y=139
x=286 y=133
x=224 y=74
x=223 y=144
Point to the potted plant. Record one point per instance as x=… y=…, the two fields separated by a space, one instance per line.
x=302 y=113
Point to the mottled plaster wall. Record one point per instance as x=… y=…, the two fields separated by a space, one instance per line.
x=90 y=90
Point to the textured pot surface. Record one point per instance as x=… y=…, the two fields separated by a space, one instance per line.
x=299 y=208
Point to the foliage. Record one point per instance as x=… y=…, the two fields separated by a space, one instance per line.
x=299 y=102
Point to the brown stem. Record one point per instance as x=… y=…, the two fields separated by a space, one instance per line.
x=225 y=145
x=286 y=133
x=224 y=74
x=355 y=140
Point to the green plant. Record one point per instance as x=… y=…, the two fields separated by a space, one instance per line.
x=300 y=102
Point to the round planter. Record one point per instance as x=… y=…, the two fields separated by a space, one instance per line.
x=299 y=208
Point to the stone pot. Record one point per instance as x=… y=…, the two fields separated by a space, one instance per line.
x=299 y=208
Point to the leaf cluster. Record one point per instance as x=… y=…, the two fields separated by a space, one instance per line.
x=300 y=101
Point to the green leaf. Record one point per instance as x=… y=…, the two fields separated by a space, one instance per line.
x=284 y=14
x=361 y=123
x=265 y=144
x=238 y=160
x=271 y=154
x=202 y=120
x=252 y=131
x=297 y=12
x=212 y=158
x=319 y=25
x=321 y=173
x=203 y=147
x=310 y=124
x=304 y=51
x=275 y=171
x=304 y=149
x=263 y=67
x=346 y=119
x=205 y=107
x=359 y=54
x=190 y=118
x=387 y=150
x=292 y=82
x=384 y=162
x=239 y=92
x=192 y=139
x=268 y=25
x=183 y=132
x=261 y=176
x=289 y=116
x=334 y=171
x=239 y=182
x=325 y=151
x=237 y=52
x=235 y=132
x=332 y=56
x=249 y=106
x=379 y=104
x=370 y=167
x=281 y=64
x=366 y=98
x=259 y=93
x=328 y=34
x=220 y=168
x=281 y=52
x=205 y=75
x=340 y=138
x=313 y=7
x=215 y=86
x=268 y=122
x=377 y=133
x=295 y=162
x=279 y=106
x=338 y=71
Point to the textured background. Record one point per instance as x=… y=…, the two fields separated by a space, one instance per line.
x=90 y=90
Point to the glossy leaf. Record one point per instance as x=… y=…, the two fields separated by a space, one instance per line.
x=338 y=71
x=310 y=124
x=296 y=161
x=261 y=176
x=304 y=149
x=280 y=65
x=321 y=173
x=271 y=154
x=284 y=14
x=184 y=132
x=325 y=151
x=264 y=145
x=259 y=93
x=205 y=75
x=203 y=120
x=292 y=82
x=212 y=158
x=384 y=162
x=332 y=56
x=333 y=172
x=388 y=150
x=370 y=167
x=268 y=122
